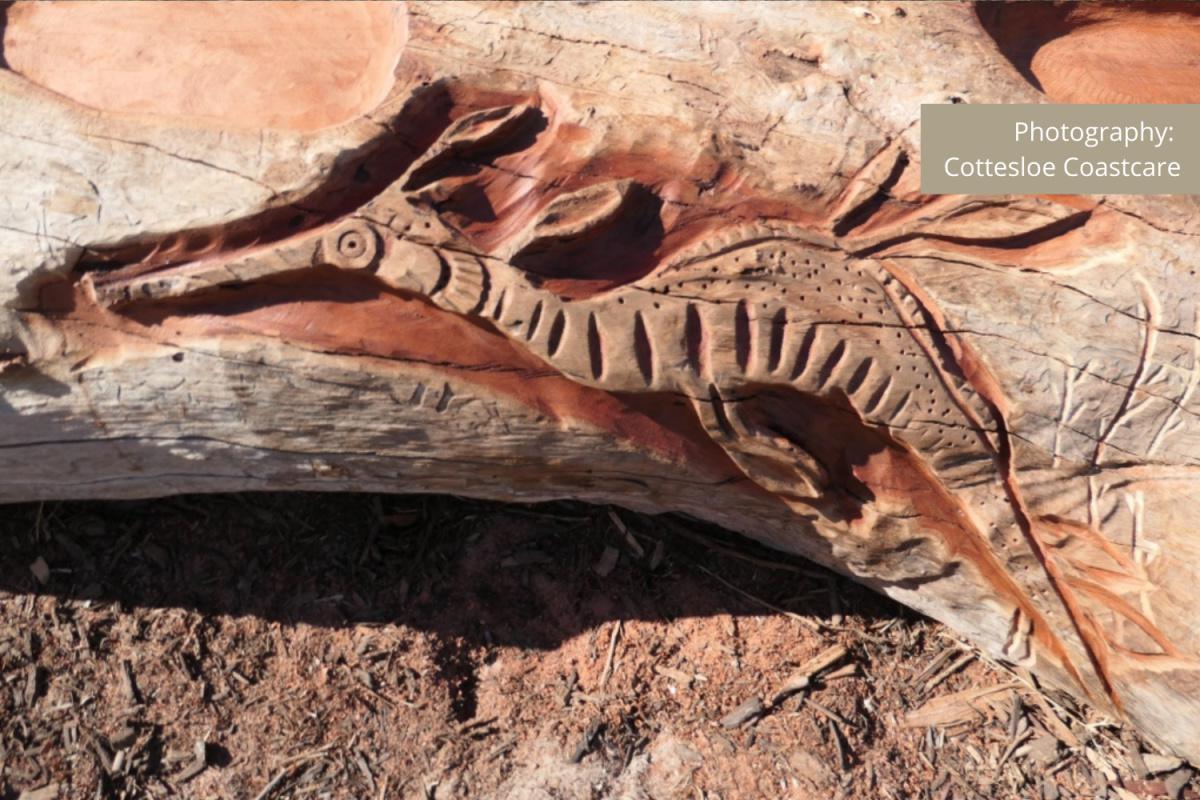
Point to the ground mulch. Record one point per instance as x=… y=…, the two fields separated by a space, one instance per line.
x=357 y=646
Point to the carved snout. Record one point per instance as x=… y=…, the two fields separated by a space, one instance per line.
x=118 y=288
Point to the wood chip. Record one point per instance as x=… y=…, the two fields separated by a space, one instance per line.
x=1156 y=764
x=844 y=671
x=802 y=678
x=1015 y=715
x=32 y=682
x=123 y=738
x=934 y=665
x=199 y=762
x=1099 y=764
x=607 y=561
x=836 y=734
x=585 y=744
x=290 y=766
x=612 y=652
x=47 y=792
x=40 y=570
x=958 y=664
x=1176 y=782
x=958 y=708
x=684 y=679
x=749 y=710
x=360 y=760
x=1051 y=719
x=128 y=684
x=569 y=685
x=1043 y=750
x=634 y=545
x=656 y=556
x=525 y=558
x=1017 y=745
x=827 y=712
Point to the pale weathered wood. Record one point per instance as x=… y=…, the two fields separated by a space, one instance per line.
x=666 y=256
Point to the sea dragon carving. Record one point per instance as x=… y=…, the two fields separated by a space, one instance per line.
x=749 y=308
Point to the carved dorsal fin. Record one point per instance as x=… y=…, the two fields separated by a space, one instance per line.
x=471 y=134
x=744 y=234
x=572 y=215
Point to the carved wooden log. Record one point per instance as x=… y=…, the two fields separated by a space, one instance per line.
x=670 y=256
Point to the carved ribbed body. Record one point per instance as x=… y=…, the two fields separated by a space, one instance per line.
x=796 y=315
x=749 y=306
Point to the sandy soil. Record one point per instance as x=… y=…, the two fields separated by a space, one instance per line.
x=285 y=646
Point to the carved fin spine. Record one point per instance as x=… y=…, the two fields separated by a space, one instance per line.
x=879 y=396
x=742 y=341
x=557 y=330
x=859 y=378
x=694 y=337
x=835 y=359
x=767 y=329
x=466 y=291
x=804 y=354
x=777 y=335
x=535 y=320
x=643 y=348
x=595 y=347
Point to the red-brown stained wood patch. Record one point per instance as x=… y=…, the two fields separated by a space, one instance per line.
x=1101 y=52
x=299 y=66
x=1135 y=59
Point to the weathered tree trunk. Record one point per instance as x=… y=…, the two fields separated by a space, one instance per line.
x=666 y=256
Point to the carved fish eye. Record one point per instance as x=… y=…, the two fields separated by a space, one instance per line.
x=353 y=245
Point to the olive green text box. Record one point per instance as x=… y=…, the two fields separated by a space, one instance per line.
x=1060 y=149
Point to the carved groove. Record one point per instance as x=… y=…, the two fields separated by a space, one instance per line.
x=741 y=333
x=444 y=275
x=694 y=336
x=498 y=309
x=443 y=402
x=878 y=397
x=860 y=376
x=467 y=290
x=642 y=348
x=595 y=347
x=778 y=330
x=805 y=352
x=535 y=319
x=831 y=364
x=957 y=460
x=556 y=332
x=718 y=407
